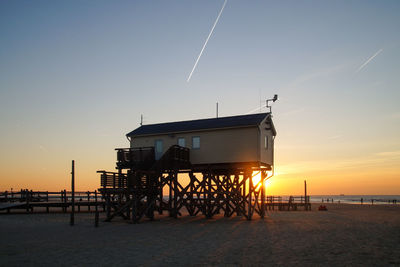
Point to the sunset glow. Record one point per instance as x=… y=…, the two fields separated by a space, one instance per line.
x=72 y=93
x=256 y=178
x=210 y=133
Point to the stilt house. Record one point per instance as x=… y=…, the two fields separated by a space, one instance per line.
x=218 y=155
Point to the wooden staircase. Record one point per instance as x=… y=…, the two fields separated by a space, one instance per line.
x=139 y=191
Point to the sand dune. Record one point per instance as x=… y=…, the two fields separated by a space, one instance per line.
x=343 y=235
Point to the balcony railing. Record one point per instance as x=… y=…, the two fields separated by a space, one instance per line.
x=112 y=179
x=142 y=157
x=176 y=157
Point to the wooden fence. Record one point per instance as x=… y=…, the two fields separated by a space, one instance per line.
x=287 y=203
x=28 y=200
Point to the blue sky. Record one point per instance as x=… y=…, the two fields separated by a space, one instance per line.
x=75 y=76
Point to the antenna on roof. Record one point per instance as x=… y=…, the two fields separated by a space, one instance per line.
x=217 y=110
x=141 y=119
x=273 y=100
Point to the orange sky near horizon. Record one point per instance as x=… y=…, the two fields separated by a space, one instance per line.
x=337 y=178
x=76 y=77
x=338 y=167
x=340 y=172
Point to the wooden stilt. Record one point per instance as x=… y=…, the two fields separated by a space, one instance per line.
x=161 y=193
x=250 y=204
x=170 y=208
x=263 y=177
x=175 y=211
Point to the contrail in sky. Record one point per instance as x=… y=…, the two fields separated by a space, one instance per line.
x=369 y=60
x=204 y=46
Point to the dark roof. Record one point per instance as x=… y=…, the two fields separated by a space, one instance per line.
x=203 y=124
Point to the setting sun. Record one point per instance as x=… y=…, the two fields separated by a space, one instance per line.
x=256 y=178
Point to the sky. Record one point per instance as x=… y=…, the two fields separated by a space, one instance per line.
x=75 y=77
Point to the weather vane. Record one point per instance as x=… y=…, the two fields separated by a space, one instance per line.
x=273 y=100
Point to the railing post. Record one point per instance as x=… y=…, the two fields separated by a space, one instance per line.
x=88 y=199
x=27 y=199
x=62 y=199
x=65 y=200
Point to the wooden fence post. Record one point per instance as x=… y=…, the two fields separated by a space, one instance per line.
x=62 y=199
x=88 y=199
x=65 y=200
x=96 y=216
x=305 y=195
x=72 y=221
x=27 y=199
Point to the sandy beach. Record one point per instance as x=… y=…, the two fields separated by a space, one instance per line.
x=344 y=235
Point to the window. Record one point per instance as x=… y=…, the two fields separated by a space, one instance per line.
x=158 y=149
x=181 y=142
x=196 y=142
x=266 y=142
